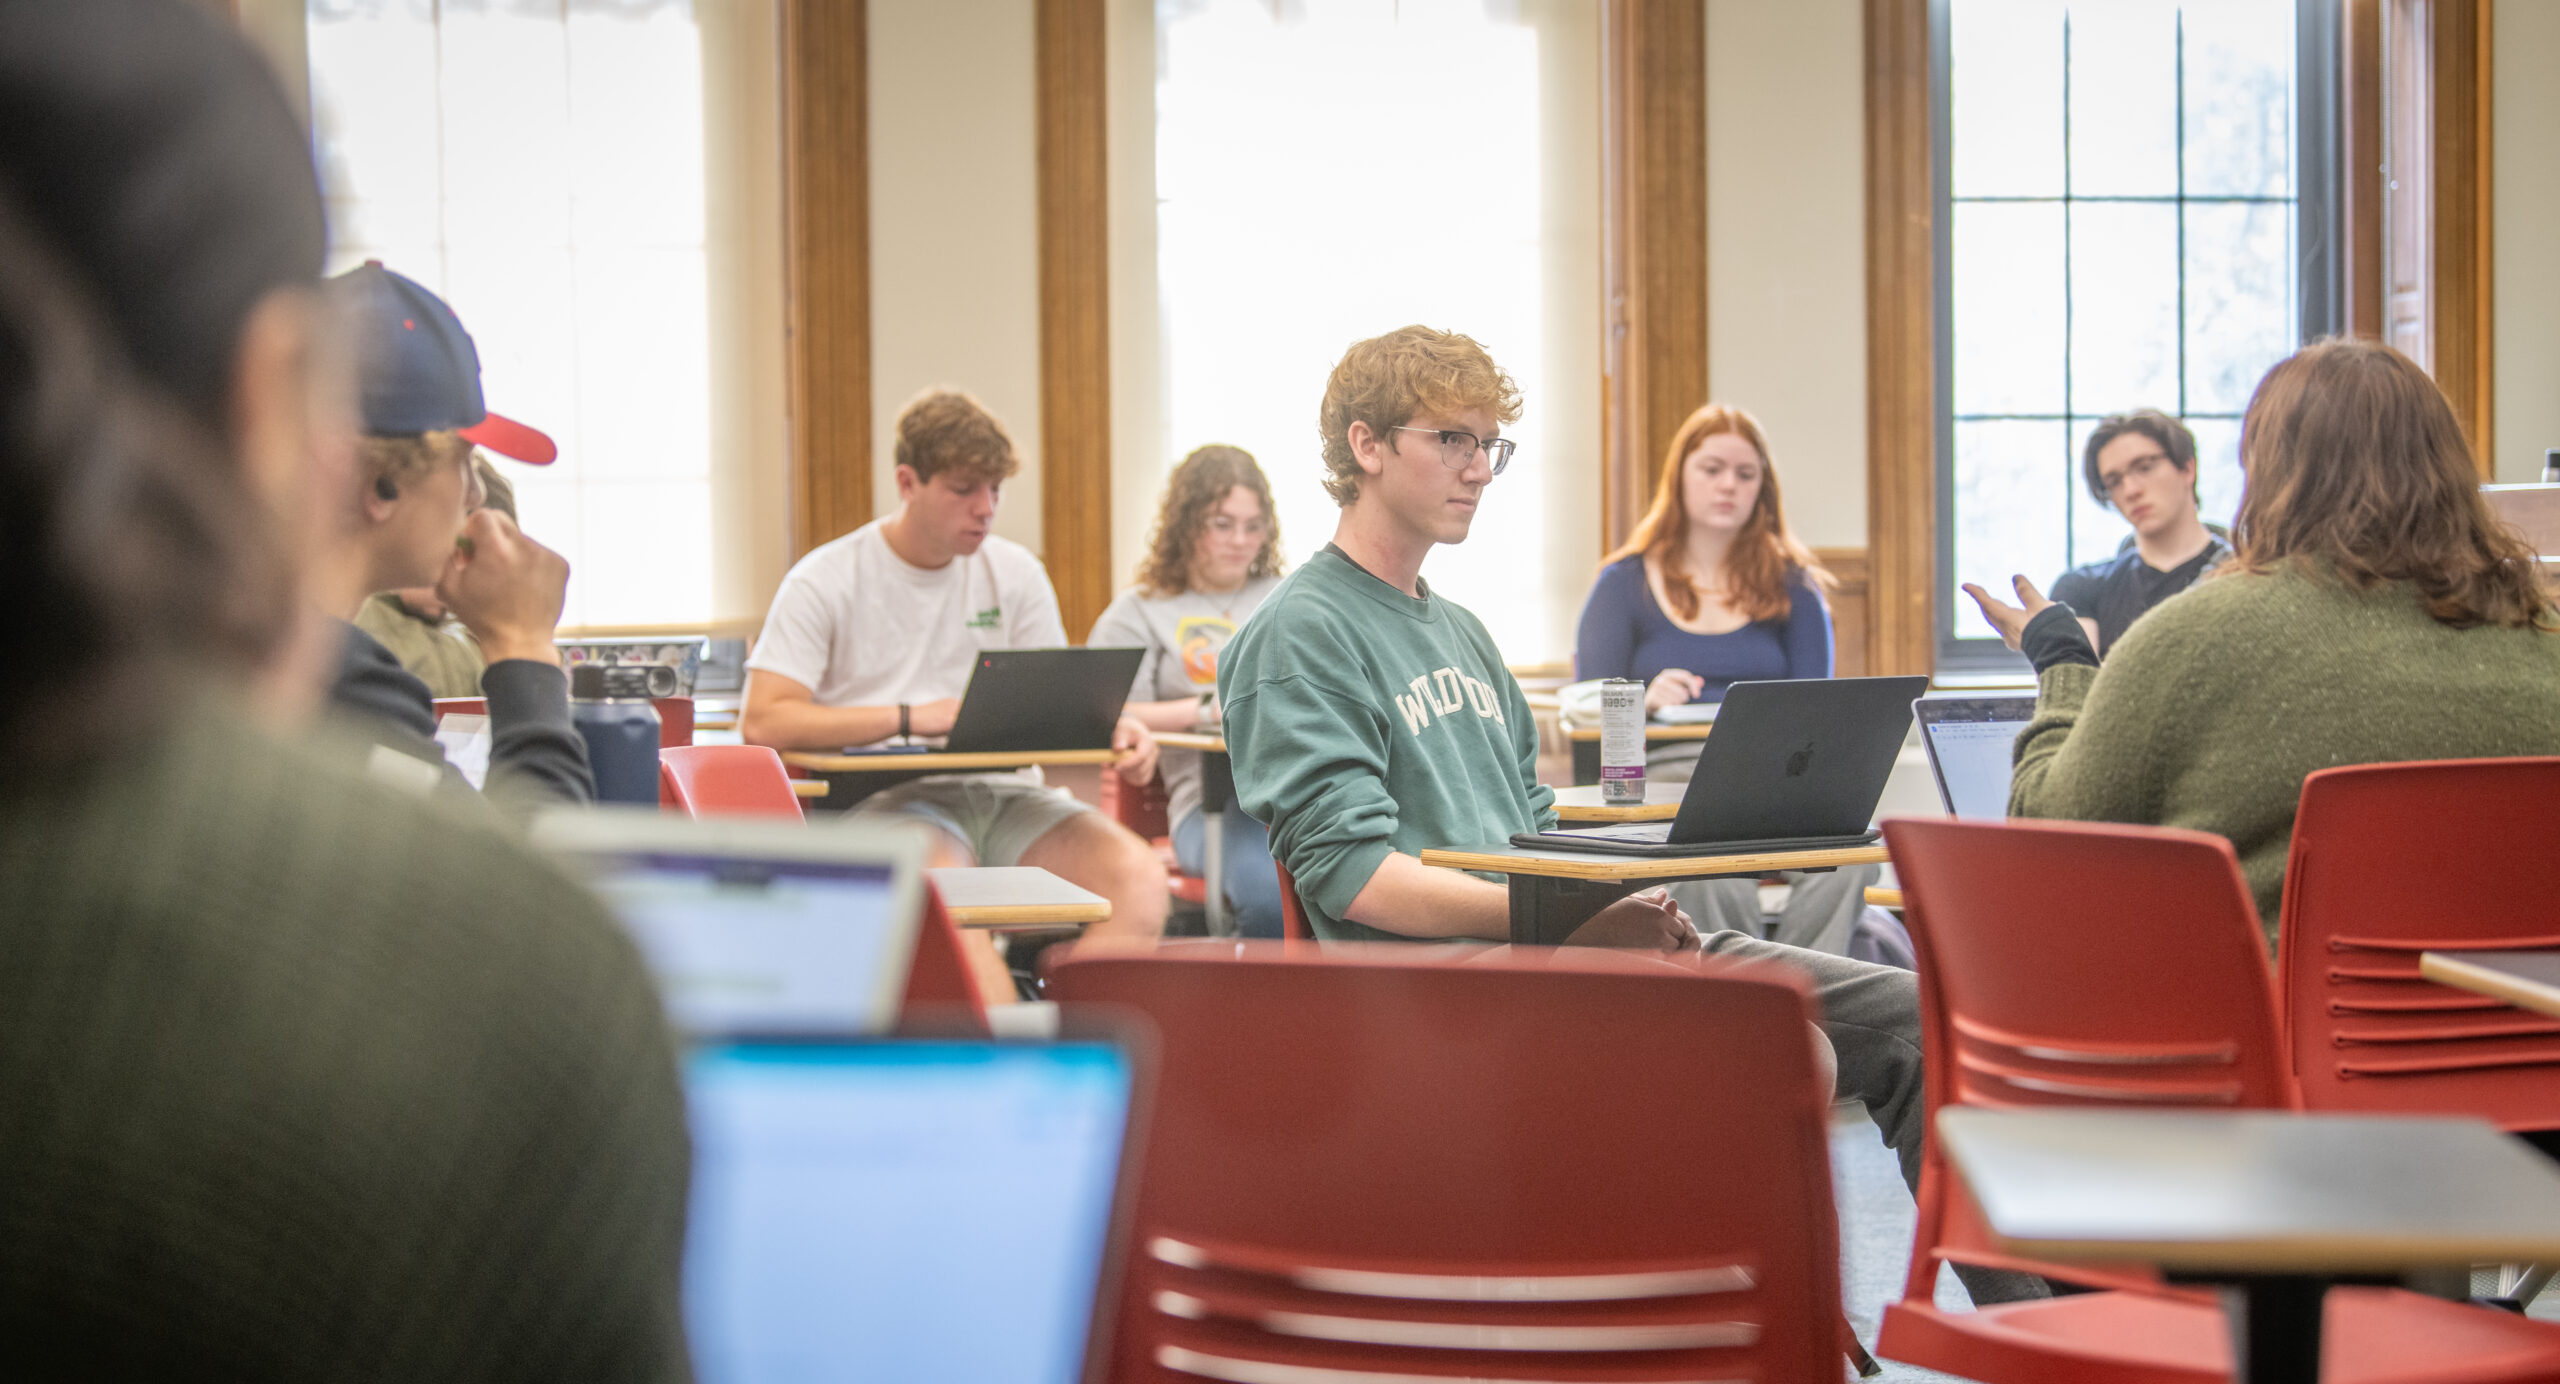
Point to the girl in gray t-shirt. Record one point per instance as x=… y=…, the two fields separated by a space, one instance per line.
x=1213 y=556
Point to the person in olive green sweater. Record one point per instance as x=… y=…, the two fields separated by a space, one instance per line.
x=300 y=1079
x=2375 y=612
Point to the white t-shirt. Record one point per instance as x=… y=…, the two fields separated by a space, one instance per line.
x=858 y=626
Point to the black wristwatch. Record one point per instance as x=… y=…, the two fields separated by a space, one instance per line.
x=903 y=710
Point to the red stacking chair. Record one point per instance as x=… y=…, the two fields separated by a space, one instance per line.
x=726 y=781
x=1370 y=1164
x=1141 y=808
x=675 y=715
x=2390 y=860
x=1293 y=911
x=940 y=984
x=2072 y=964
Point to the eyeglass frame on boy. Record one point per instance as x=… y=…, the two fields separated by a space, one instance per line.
x=1500 y=448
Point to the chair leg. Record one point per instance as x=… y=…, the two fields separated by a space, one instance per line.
x=2524 y=1282
x=1859 y=1359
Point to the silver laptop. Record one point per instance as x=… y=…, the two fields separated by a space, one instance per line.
x=1970 y=742
x=758 y=927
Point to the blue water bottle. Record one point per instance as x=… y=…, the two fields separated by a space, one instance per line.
x=611 y=707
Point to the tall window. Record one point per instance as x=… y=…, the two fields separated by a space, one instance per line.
x=1333 y=169
x=2122 y=226
x=539 y=163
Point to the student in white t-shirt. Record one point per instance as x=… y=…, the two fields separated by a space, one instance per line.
x=874 y=635
x=1214 y=554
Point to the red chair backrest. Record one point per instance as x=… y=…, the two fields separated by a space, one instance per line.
x=1293 y=913
x=938 y=983
x=2390 y=860
x=1138 y=806
x=675 y=721
x=675 y=715
x=2076 y=964
x=726 y=781
x=1358 y=1153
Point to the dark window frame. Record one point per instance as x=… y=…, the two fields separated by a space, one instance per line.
x=2318 y=277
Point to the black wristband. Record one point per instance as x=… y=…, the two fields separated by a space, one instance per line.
x=903 y=710
x=2054 y=638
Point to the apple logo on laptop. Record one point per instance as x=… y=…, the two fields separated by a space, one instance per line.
x=1800 y=760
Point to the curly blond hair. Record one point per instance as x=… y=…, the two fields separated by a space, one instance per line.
x=1385 y=380
x=1191 y=494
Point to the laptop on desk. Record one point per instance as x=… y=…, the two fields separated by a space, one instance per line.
x=1970 y=741
x=757 y=928
x=1023 y=700
x=1792 y=766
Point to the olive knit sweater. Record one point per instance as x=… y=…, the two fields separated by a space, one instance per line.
x=2212 y=709
x=304 y=1080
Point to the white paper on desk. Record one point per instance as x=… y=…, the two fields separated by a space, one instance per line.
x=1689 y=714
x=465 y=741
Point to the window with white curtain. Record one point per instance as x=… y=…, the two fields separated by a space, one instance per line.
x=539 y=163
x=1328 y=170
x=2124 y=226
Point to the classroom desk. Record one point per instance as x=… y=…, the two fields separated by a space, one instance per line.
x=1001 y=897
x=1555 y=891
x=1586 y=744
x=1217 y=792
x=1581 y=804
x=2525 y=979
x=852 y=777
x=2274 y=1204
x=809 y=788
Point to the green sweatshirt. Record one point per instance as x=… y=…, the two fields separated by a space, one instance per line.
x=2212 y=709
x=1362 y=721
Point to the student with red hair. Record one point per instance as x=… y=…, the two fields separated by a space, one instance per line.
x=1713 y=588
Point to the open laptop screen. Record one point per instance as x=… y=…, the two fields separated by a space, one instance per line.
x=757 y=929
x=759 y=946
x=900 y=1210
x=1970 y=741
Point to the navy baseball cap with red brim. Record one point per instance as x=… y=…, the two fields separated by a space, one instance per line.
x=417 y=369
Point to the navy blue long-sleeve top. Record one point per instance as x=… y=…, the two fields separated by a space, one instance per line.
x=1625 y=633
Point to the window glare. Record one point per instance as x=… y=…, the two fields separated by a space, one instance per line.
x=1290 y=226
x=539 y=163
x=2121 y=234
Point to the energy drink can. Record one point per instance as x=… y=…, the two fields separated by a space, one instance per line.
x=1622 y=742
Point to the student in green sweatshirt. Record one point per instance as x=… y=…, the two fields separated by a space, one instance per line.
x=1370 y=718
x=2375 y=612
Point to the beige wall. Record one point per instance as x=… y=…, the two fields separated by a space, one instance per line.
x=955 y=274
x=2525 y=235
x=1141 y=444
x=743 y=241
x=1786 y=246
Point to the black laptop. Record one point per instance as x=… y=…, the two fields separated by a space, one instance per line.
x=1043 y=699
x=1792 y=766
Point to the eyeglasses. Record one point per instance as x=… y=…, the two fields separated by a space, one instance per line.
x=2137 y=469
x=1458 y=449
x=1225 y=524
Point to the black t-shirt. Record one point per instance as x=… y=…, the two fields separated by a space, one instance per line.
x=2124 y=588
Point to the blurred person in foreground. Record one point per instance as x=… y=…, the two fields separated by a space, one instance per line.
x=421 y=631
x=300 y=1079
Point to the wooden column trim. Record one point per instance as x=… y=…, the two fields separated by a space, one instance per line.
x=1902 y=389
x=1075 y=307
x=2360 y=179
x=2458 y=47
x=1653 y=86
x=827 y=264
